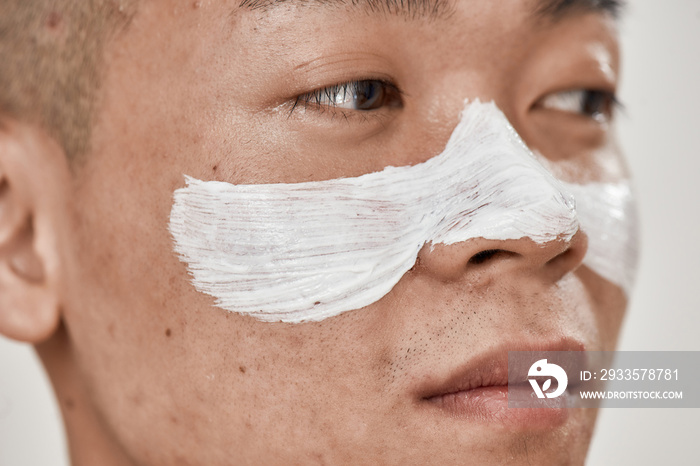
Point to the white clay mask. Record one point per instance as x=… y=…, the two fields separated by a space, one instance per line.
x=308 y=251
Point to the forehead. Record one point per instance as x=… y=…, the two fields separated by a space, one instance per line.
x=330 y=17
x=502 y=23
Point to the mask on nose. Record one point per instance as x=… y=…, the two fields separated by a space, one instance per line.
x=308 y=251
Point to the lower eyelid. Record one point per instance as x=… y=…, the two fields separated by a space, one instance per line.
x=324 y=114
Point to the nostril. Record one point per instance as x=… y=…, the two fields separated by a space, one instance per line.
x=482 y=256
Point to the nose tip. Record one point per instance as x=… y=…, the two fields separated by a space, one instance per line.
x=550 y=261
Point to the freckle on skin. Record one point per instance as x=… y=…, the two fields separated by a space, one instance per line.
x=214 y=168
x=54 y=20
x=241 y=369
x=136 y=399
x=70 y=404
x=168 y=332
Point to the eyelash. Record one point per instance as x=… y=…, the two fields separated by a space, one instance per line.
x=364 y=96
x=598 y=105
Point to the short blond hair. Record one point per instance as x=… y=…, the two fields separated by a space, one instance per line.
x=50 y=55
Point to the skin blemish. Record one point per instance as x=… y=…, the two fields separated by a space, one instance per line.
x=168 y=332
x=241 y=369
x=54 y=21
x=136 y=399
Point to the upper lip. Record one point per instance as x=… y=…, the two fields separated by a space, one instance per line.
x=489 y=369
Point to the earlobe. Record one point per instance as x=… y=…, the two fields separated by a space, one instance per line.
x=29 y=298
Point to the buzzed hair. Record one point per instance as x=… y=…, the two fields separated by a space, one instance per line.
x=50 y=63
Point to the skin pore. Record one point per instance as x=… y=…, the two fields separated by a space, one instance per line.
x=148 y=371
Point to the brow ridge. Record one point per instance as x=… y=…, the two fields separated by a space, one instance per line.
x=410 y=9
x=556 y=9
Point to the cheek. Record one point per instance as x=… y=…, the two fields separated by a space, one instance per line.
x=609 y=303
x=129 y=306
x=608 y=215
x=309 y=251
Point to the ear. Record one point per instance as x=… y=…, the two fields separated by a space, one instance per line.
x=32 y=198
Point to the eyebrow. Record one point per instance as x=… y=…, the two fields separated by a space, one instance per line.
x=410 y=9
x=556 y=9
x=435 y=9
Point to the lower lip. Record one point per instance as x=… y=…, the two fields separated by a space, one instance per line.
x=490 y=405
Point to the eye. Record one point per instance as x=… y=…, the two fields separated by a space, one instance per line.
x=363 y=95
x=595 y=104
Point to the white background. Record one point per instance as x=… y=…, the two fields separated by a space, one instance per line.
x=660 y=131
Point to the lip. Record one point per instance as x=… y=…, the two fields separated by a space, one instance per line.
x=478 y=389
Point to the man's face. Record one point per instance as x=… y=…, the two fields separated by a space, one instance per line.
x=213 y=91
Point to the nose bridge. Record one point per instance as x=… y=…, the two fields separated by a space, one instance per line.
x=500 y=199
x=494 y=188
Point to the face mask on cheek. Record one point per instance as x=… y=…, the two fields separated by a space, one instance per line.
x=309 y=251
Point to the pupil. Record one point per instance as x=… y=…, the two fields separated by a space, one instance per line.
x=595 y=104
x=368 y=96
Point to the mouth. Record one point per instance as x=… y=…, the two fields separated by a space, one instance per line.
x=478 y=390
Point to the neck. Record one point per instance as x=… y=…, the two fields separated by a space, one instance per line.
x=90 y=440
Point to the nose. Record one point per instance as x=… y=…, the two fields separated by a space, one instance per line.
x=495 y=259
x=501 y=210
